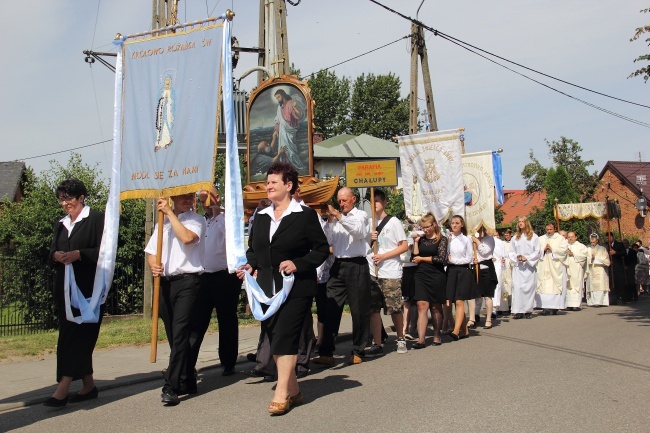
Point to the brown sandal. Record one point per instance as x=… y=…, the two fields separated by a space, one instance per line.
x=277 y=408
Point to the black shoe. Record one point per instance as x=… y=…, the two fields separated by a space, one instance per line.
x=257 y=374
x=251 y=357
x=301 y=374
x=76 y=398
x=554 y=311
x=453 y=336
x=528 y=315
x=228 y=371
x=55 y=402
x=169 y=397
x=518 y=316
x=545 y=312
x=419 y=346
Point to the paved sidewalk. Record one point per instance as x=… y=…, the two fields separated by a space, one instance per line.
x=31 y=382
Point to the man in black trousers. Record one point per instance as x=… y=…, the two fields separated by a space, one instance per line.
x=219 y=289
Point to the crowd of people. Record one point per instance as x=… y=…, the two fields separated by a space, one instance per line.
x=415 y=274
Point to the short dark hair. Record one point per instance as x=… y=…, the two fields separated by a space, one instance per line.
x=71 y=188
x=381 y=194
x=285 y=96
x=289 y=174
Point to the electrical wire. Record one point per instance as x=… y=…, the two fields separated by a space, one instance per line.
x=96 y=19
x=355 y=57
x=215 y=6
x=462 y=43
x=63 y=151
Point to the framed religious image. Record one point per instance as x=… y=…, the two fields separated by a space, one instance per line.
x=280 y=127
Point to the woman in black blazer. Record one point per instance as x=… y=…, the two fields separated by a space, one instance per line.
x=77 y=238
x=286 y=238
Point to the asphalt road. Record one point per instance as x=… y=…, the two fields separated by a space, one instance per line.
x=586 y=371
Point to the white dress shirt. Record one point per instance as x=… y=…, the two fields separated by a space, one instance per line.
x=350 y=234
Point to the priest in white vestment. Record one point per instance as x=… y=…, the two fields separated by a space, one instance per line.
x=576 y=264
x=551 y=272
x=524 y=255
x=597 y=277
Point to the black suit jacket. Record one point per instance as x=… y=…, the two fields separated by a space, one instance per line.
x=618 y=253
x=299 y=238
x=86 y=237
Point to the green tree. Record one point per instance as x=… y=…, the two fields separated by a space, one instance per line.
x=645 y=70
x=376 y=107
x=332 y=96
x=564 y=153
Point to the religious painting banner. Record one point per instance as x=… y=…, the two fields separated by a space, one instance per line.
x=170 y=106
x=568 y=211
x=431 y=163
x=478 y=191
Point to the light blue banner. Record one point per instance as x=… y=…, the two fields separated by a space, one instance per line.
x=171 y=92
x=498 y=176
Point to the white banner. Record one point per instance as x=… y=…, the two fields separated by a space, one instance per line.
x=431 y=164
x=478 y=180
x=565 y=212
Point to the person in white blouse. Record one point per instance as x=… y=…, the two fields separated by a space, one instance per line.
x=461 y=283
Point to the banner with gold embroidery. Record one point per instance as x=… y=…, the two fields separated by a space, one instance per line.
x=431 y=167
x=478 y=191
x=170 y=106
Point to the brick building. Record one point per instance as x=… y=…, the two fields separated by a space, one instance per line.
x=517 y=203
x=626 y=181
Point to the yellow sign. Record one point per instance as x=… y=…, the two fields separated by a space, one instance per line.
x=366 y=173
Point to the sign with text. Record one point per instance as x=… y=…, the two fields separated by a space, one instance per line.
x=170 y=104
x=371 y=173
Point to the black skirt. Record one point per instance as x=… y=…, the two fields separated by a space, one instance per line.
x=430 y=284
x=283 y=328
x=75 y=346
x=461 y=283
x=408 y=282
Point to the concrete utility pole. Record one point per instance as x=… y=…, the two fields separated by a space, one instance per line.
x=273 y=38
x=164 y=13
x=419 y=49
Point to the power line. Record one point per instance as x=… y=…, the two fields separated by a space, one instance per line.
x=63 y=151
x=356 y=57
x=451 y=38
x=96 y=19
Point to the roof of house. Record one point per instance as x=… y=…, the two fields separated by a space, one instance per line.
x=11 y=174
x=517 y=203
x=350 y=146
x=635 y=175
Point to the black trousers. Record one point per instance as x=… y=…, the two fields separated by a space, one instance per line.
x=177 y=301
x=349 y=281
x=264 y=358
x=218 y=290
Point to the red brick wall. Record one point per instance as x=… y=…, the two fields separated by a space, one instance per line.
x=632 y=225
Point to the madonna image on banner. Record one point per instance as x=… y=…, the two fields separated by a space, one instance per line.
x=278 y=122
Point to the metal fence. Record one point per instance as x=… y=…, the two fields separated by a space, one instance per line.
x=27 y=289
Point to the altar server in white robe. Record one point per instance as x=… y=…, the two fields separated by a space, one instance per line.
x=499 y=257
x=551 y=272
x=576 y=265
x=524 y=255
x=597 y=278
x=506 y=275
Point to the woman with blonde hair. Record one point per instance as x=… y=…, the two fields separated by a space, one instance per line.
x=430 y=254
x=461 y=283
x=524 y=254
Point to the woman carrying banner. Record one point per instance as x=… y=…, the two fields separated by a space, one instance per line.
x=461 y=283
x=525 y=252
x=287 y=238
x=76 y=241
x=430 y=254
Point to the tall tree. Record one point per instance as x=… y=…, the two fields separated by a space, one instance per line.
x=645 y=70
x=564 y=153
x=376 y=107
x=332 y=96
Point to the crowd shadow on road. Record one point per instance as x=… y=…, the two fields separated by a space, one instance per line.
x=313 y=389
x=637 y=311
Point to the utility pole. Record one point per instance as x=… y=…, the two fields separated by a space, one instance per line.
x=273 y=38
x=164 y=13
x=419 y=50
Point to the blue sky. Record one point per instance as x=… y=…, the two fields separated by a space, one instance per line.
x=52 y=100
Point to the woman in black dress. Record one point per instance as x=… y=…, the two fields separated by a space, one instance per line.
x=430 y=253
x=286 y=238
x=76 y=241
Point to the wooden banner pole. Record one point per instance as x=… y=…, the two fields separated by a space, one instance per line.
x=156 y=292
x=374 y=225
x=609 y=247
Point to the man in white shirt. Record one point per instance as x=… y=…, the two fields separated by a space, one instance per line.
x=349 y=278
x=219 y=288
x=551 y=272
x=181 y=263
x=386 y=275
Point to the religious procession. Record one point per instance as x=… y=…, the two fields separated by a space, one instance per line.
x=244 y=209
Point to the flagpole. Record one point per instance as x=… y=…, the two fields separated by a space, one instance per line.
x=156 y=292
x=609 y=247
x=557 y=215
